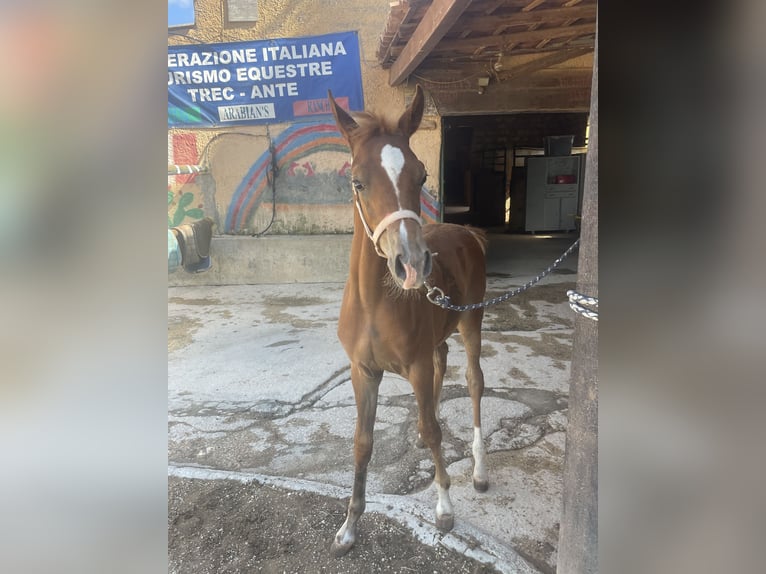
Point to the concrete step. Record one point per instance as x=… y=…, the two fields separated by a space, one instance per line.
x=272 y=259
x=278 y=259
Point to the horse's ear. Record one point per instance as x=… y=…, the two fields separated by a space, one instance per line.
x=345 y=122
x=410 y=120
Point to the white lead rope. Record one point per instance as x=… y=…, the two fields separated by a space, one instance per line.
x=578 y=302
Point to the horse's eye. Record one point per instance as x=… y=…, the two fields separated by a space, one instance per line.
x=358 y=185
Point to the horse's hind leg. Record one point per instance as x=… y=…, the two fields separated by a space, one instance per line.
x=440 y=367
x=365 y=385
x=470 y=331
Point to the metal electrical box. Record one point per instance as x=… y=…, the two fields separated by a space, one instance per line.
x=554 y=192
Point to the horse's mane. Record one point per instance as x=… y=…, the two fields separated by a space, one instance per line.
x=373 y=125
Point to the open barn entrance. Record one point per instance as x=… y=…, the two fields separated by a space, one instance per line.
x=514 y=172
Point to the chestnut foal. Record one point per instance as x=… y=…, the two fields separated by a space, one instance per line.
x=386 y=323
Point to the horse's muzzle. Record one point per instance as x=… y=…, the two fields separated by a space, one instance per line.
x=408 y=257
x=409 y=275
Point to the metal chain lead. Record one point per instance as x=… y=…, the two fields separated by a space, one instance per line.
x=437 y=296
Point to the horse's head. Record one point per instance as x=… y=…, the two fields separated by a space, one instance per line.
x=387 y=178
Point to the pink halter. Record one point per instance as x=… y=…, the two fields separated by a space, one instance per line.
x=384 y=223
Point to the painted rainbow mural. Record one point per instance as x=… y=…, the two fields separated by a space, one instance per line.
x=297 y=141
x=429 y=206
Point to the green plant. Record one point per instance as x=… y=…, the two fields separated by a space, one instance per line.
x=181 y=211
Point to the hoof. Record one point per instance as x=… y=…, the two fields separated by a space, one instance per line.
x=480 y=485
x=337 y=549
x=445 y=523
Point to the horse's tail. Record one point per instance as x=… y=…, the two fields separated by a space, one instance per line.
x=481 y=237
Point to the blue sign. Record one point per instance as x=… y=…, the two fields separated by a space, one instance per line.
x=262 y=82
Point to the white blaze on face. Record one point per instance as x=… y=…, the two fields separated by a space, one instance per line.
x=392 y=160
x=403 y=232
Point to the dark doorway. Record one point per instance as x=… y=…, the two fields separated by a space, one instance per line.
x=483 y=168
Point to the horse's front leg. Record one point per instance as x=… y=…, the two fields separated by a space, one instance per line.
x=365 y=383
x=440 y=367
x=470 y=330
x=422 y=380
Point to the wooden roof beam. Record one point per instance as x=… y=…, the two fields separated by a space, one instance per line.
x=543 y=16
x=489 y=11
x=470 y=44
x=507 y=71
x=490 y=56
x=397 y=18
x=532 y=5
x=436 y=22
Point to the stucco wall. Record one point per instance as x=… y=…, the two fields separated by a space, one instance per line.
x=312 y=189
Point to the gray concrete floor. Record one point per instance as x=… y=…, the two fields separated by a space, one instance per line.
x=517 y=255
x=259 y=384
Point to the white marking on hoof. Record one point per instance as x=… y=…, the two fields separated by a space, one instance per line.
x=480 y=477
x=344 y=540
x=445 y=519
